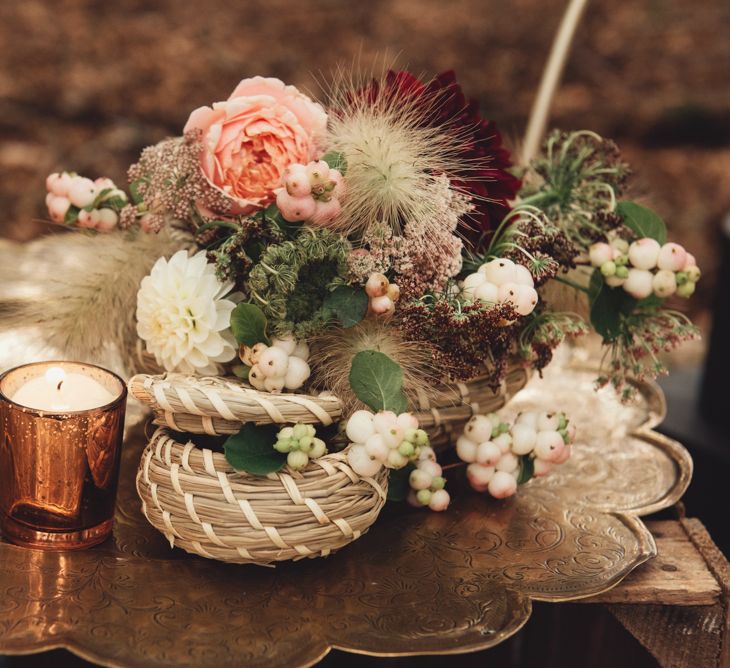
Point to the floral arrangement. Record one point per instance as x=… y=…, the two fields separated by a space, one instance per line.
x=373 y=246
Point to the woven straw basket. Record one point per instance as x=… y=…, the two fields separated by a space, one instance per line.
x=201 y=504
x=219 y=406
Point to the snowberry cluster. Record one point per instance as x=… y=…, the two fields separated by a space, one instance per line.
x=501 y=280
x=382 y=293
x=311 y=192
x=427 y=483
x=383 y=439
x=66 y=190
x=300 y=445
x=646 y=267
x=496 y=451
x=282 y=365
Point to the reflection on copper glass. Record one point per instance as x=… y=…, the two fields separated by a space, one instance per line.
x=59 y=466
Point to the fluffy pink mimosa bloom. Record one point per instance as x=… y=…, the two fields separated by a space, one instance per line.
x=252 y=137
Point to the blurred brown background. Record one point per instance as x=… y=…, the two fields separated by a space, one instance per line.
x=86 y=84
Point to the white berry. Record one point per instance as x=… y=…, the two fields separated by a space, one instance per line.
x=471 y=283
x=439 y=500
x=508 y=462
x=360 y=426
x=407 y=421
x=502 y=485
x=419 y=479
x=499 y=271
x=375 y=447
x=671 y=257
x=396 y=460
x=256 y=377
x=431 y=467
x=488 y=453
x=643 y=254
x=548 y=421
x=524 y=438
x=273 y=363
x=664 y=283
x=297 y=372
x=479 y=476
x=523 y=276
x=478 y=429
x=528 y=418
x=301 y=350
x=361 y=462
x=549 y=445
x=286 y=343
x=466 y=449
x=599 y=254
x=487 y=292
x=503 y=441
x=639 y=283
x=384 y=420
x=274 y=385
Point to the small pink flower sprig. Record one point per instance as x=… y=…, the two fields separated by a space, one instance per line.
x=311 y=193
x=646 y=267
x=501 y=456
x=78 y=201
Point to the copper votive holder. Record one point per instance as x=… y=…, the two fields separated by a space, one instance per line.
x=59 y=470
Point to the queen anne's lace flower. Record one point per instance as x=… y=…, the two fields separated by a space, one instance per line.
x=182 y=315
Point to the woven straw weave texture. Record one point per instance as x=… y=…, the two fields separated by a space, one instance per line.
x=201 y=504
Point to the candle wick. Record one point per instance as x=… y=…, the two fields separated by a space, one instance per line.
x=59 y=386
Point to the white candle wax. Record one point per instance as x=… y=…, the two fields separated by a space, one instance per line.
x=59 y=391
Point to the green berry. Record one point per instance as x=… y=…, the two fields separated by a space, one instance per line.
x=423 y=496
x=299 y=431
x=562 y=422
x=503 y=428
x=421 y=437
x=681 y=277
x=319 y=449
x=621 y=261
x=686 y=289
x=406 y=449
x=311 y=431
x=411 y=435
x=437 y=483
x=305 y=444
x=297 y=460
x=282 y=446
x=608 y=268
x=286 y=432
x=622 y=272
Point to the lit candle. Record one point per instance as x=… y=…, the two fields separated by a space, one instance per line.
x=59 y=391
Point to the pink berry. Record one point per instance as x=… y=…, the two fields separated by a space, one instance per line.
x=84 y=219
x=430 y=467
x=51 y=180
x=542 y=468
x=294 y=209
x=107 y=220
x=671 y=257
x=664 y=283
x=502 y=485
x=407 y=421
x=479 y=476
x=377 y=285
x=384 y=420
x=60 y=184
x=58 y=208
x=550 y=445
x=382 y=305
x=564 y=456
x=326 y=212
x=488 y=453
x=689 y=261
x=336 y=178
x=146 y=223
x=318 y=172
x=296 y=181
x=643 y=254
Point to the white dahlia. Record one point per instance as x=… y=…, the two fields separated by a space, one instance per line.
x=182 y=315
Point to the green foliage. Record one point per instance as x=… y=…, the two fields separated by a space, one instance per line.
x=377 y=381
x=134 y=191
x=527 y=469
x=398 y=485
x=72 y=213
x=608 y=307
x=348 y=303
x=248 y=324
x=644 y=222
x=336 y=160
x=252 y=449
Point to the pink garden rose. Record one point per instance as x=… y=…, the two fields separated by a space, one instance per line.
x=252 y=137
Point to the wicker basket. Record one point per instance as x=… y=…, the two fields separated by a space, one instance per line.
x=201 y=504
x=218 y=406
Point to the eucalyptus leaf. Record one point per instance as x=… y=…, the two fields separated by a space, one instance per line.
x=248 y=324
x=643 y=221
x=377 y=381
x=252 y=449
x=527 y=469
x=349 y=304
x=398 y=485
x=608 y=307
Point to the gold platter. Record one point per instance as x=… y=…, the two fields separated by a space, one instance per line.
x=417 y=583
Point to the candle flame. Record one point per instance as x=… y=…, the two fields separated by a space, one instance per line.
x=56 y=375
